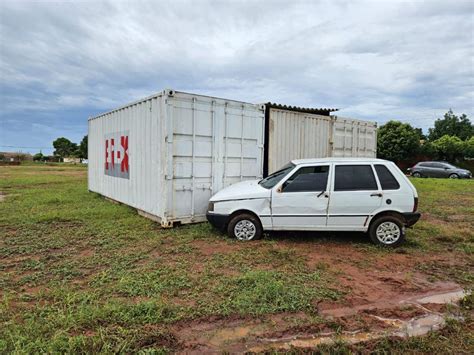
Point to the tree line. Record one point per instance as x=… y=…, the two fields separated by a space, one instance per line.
x=451 y=139
x=63 y=148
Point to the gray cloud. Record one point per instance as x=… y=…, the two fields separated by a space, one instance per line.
x=62 y=61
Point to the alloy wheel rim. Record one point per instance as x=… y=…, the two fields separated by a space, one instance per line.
x=388 y=232
x=245 y=230
x=453 y=176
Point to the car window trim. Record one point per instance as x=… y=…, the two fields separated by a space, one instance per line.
x=333 y=187
x=291 y=173
x=378 y=181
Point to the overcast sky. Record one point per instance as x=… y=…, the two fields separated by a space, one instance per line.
x=63 y=61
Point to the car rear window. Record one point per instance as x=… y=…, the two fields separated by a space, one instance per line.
x=354 y=177
x=387 y=180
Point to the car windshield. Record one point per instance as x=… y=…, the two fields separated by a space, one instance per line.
x=273 y=179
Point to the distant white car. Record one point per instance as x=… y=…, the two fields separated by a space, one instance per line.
x=329 y=194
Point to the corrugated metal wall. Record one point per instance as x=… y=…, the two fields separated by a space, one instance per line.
x=141 y=121
x=296 y=135
x=300 y=135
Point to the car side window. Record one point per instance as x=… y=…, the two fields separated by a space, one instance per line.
x=387 y=180
x=309 y=178
x=354 y=177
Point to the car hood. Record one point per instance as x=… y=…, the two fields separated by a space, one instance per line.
x=462 y=171
x=242 y=190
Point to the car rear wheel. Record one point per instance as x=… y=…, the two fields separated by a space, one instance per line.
x=387 y=231
x=245 y=226
x=416 y=174
x=454 y=176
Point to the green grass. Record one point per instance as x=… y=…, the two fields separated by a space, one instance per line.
x=81 y=274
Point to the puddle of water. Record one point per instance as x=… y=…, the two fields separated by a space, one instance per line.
x=443 y=298
x=414 y=327
x=422 y=325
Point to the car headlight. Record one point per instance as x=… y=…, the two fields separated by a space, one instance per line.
x=210 y=207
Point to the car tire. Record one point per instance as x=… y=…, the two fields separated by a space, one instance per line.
x=416 y=174
x=387 y=231
x=245 y=227
x=454 y=176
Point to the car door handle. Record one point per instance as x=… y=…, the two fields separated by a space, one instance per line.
x=323 y=192
x=378 y=194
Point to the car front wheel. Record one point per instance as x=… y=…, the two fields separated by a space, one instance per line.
x=387 y=231
x=245 y=227
x=454 y=176
x=416 y=174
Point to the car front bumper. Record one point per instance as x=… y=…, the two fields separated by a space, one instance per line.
x=219 y=221
x=411 y=218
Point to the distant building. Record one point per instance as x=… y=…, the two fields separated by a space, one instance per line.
x=12 y=157
x=72 y=160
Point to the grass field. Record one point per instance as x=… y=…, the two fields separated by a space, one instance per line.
x=80 y=274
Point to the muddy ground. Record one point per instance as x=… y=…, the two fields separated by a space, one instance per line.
x=385 y=296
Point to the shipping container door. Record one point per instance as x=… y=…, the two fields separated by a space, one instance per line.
x=352 y=138
x=192 y=161
x=242 y=143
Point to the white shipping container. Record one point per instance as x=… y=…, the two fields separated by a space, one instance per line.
x=294 y=134
x=168 y=154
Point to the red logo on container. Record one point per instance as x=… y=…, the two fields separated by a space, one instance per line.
x=117 y=158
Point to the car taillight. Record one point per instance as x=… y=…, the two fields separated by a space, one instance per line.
x=415 y=204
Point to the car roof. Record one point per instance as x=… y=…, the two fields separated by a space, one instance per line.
x=338 y=160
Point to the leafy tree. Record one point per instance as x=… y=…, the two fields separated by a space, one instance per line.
x=64 y=147
x=449 y=147
x=397 y=141
x=83 y=148
x=20 y=156
x=420 y=133
x=452 y=125
x=38 y=157
x=427 y=149
x=469 y=148
x=2 y=157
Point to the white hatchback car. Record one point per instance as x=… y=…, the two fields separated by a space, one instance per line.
x=329 y=194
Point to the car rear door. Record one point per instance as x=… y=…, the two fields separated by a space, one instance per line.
x=300 y=202
x=354 y=196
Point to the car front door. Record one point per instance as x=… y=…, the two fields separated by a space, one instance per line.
x=434 y=170
x=300 y=202
x=441 y=170
x=355 y=195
